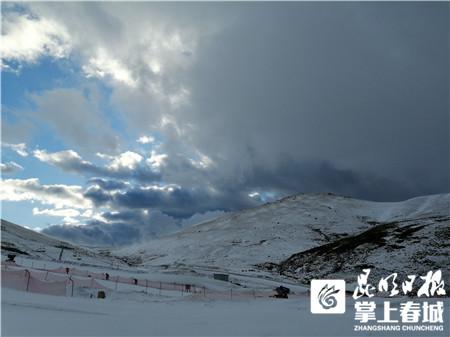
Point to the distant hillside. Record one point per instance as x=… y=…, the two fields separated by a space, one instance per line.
x=314 y=235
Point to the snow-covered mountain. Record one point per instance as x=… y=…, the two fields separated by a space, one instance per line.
x=313 y=235
x=299 y=237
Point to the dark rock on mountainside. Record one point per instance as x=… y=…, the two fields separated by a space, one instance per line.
x=413 y=246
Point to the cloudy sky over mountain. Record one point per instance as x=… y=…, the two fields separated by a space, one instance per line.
x=124 y=121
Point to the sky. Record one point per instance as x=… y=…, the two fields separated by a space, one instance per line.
x=123 y=122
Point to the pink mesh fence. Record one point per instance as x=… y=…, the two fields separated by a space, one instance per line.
x=15 y=279
x=98 y=276
x=46 y=287
x=9 y=263
x=86 y=283
x=55 y=277
x=62 y=281
x=61 y=270
x=78 y=272
x=39 y=274
x=63 y=273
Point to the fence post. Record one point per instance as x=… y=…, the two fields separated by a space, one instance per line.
x=117 y=280
x=160 y=287
x=46 y=274
x=204 y=292
x=29 y=276
x=231 y=293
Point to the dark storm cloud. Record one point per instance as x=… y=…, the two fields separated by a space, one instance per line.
x=125 y=227
x=360 y=86
x=176 y=202
x=317 y=177
x=107 y=184
x=97 y=195
x=96 y=233
x=121 y=228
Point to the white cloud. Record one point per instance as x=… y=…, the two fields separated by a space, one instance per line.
x=70 y=221
x=60 y=196
x=102 y=65
x=127 y=165
x=254 y=195
x=156 y=160
x=10 y=167
x=145 y=139
x=64 y=212
x=161 y=188
x=20 y=149
x=69 y=161
x=88 y=213
x=126 y=160
x=179 y=98
x=25 y=38
x=57 y=158
x=202 y=161
x=143 y=47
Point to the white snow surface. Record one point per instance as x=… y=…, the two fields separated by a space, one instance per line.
x=25 y=314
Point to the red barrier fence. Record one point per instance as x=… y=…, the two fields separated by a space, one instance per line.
x=47 y=287
x=126 y=280
x=15 y=279
x=86 y=283
x=62 y=281
x=25 y=280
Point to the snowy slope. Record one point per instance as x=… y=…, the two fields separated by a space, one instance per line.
x=274 y=232
x=25 y=314
x=27 y=243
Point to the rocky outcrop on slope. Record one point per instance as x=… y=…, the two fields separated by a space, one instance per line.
x=412 y=246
